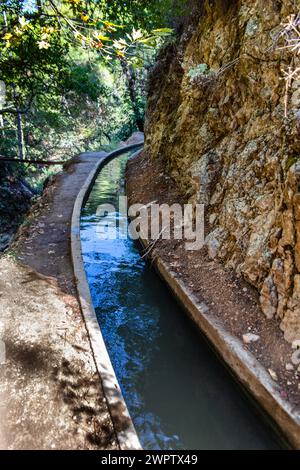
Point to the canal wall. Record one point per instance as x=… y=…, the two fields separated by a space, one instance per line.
x=50 y=391
x=123 y=425
x=247 y=370
x=223 y=307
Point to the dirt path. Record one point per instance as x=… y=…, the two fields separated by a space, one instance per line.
x=50 y=392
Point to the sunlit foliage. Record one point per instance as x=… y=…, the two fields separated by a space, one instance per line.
x=75 y=71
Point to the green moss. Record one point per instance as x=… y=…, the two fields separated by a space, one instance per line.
x=290 y=161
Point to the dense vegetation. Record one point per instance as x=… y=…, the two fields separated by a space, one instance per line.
x=73 y=72
x=73 y=76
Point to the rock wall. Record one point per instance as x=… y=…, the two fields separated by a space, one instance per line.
x=216 y=115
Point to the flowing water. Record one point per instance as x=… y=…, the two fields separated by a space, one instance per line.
x=179 y=394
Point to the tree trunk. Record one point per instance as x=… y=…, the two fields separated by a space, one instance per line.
x=39 y=6
x=130 y=79
x=5 y=18
x=20 y=133
x=2 y=126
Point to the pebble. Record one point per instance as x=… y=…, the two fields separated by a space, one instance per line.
x=284 y=394
x=295 y=357
x=273 y=374
x=289 y=367
x=250 y=338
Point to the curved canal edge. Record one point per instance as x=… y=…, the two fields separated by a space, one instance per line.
x=245 y=367
x=241 y=362
x=122 y=422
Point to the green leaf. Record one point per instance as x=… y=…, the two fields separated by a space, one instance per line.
x=151 y=41
x=163 y=31
x=103 y=38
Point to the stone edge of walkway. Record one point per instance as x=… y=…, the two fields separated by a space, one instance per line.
x=122 y=422
x=249 y=372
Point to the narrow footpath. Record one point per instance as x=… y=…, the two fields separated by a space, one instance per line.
x=50 y=392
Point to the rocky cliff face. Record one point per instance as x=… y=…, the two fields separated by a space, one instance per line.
x=216 y=116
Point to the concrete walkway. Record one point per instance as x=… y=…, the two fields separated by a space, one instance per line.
x=50 y=392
